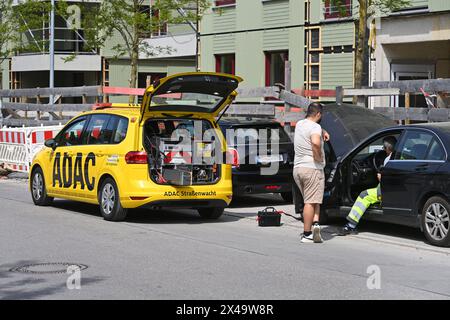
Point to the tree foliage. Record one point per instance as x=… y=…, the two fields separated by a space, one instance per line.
x=6 y=30
x=131 y=20
x=134 y=22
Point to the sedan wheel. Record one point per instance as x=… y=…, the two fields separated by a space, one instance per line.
x=436 y=221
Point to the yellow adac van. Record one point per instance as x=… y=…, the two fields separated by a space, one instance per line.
x=130 y=156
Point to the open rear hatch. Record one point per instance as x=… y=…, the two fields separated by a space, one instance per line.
x=200 y=92
x=181 y=142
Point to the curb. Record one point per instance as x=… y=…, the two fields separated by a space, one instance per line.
x=378 y=239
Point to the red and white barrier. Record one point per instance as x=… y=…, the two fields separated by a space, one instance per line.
x=19 y=145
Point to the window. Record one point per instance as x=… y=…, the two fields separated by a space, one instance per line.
x=315 y=73
x=374 y=146
x=225 y=63
x=275 y=134
x=224 y=2
x=96 y=132
x=307 y=10
x=315 y=38
x=146 y=79
x=419 y=145
x=275 y=67
x=436 y=152
x=334 y=12
x=71 y=136
x=159 y=27
x=117 y=128
x=312 y=65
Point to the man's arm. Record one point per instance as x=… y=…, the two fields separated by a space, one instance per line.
x=316 y=143
x=325 y=135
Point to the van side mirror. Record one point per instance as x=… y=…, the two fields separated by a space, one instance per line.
x=51 y=143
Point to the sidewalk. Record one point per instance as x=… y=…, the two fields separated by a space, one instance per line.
x=370 y=231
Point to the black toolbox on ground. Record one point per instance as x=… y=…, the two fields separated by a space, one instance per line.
x=269 y=217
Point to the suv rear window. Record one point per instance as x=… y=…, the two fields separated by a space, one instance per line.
x=253 y=131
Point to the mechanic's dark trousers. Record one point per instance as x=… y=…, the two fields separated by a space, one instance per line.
x=364 y=201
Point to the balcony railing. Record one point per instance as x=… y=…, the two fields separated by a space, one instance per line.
x=67 y=41
x=336 y=12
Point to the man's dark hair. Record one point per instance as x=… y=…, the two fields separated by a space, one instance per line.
x=313 y=109
x=389 y=142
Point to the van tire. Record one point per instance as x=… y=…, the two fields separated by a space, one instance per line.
x=109 y=201
x=38 y=189
x=427 y=223
x=210 y=213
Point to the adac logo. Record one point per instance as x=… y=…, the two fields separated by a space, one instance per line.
x=72 y=172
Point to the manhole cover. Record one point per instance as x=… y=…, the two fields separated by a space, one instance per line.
x=47 y=268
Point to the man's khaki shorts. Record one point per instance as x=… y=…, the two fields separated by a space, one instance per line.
x=311 y=183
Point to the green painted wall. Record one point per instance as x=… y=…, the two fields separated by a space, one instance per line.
x=119 y=73
x=249 y=46
x=419 y=3
x=338 y=34
x=439 y=5
x=120 y=68
x=337 y=70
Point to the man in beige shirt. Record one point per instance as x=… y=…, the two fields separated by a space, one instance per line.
x=309 y=163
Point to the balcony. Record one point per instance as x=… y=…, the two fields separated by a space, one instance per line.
x=41 y=62
x=67 y=41
x=175 y=46
x=337 y=12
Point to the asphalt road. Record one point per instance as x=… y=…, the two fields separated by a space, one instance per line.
x=177 y=255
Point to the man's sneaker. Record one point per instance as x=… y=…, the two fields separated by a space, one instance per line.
x=317 y=237
x=307 y=239
x=346 y=230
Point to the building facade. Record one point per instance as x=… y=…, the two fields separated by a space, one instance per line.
x=32 y=69
x=413 y=46
x=253 y=39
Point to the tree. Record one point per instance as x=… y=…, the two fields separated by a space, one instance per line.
x=5 y=28
x=366 y=7
x=134 y=21
x=16 y=23
x=6 y=33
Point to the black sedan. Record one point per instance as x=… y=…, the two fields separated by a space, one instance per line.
x=247 y=175
x=415 y=183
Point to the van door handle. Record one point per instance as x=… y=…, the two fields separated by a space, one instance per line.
x=100 y=154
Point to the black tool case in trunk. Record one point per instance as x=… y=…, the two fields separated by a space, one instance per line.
x=269 y=217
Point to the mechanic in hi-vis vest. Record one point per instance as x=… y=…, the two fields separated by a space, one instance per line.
x=369 y=196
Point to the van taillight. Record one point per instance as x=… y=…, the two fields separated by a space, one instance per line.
x=233 y=157
x=136 y=157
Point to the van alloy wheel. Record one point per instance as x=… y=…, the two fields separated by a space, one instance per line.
x=108 y=198
x=437 y=221
x=37 y=186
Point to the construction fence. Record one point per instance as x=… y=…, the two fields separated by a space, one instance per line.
x=27 y=121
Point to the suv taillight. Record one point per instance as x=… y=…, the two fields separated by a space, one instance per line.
x=136 y=157
x=233 y=157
